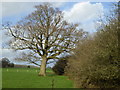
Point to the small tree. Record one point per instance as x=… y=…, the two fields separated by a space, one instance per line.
x=6 y=63
x=45 y=33
x=60 y=65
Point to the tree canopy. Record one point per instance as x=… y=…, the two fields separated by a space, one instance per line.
x=46 y=34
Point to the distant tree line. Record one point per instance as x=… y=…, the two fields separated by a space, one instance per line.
x=5 y=62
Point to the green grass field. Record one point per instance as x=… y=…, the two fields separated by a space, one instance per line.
x=28 y=78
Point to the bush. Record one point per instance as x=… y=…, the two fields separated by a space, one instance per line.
x=11 y=65
x=28 y=66
x=96 y=60
x=60 y=66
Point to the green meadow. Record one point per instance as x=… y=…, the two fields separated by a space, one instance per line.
x=28 y=78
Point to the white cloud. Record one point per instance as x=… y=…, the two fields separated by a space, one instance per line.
x=84 y=13
x=8 y=53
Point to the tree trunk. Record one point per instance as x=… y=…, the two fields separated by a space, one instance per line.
x=43 y=67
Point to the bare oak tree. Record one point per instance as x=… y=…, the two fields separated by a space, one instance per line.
x=46 y=34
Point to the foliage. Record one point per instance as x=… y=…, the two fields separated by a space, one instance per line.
x=60 y=66
x=6 y=63
x=28 y=66
x=96 y=61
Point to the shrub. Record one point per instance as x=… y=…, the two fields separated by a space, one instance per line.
x=11 y=65
x=28 y=66
x=96 y=60
x=60 y=66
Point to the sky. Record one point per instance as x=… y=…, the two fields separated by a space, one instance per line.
x=84 y=12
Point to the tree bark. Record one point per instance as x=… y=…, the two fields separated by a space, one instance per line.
x=43 y=67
